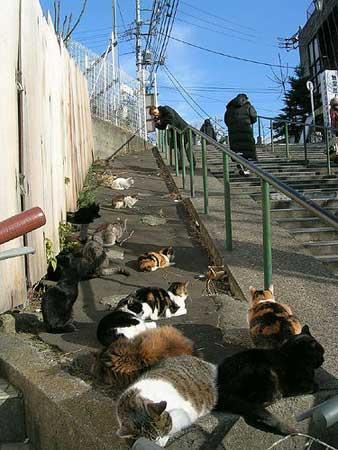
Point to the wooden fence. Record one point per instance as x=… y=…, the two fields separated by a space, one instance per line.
x=45 y=134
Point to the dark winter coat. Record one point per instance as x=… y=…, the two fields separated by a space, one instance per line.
x=168 y=116
x=208 y=129
x=239 y=117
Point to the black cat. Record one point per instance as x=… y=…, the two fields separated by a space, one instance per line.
x=253 y=379
x=57 y=303
x=84 y=215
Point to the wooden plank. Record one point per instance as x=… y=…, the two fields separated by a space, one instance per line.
x=12 y=271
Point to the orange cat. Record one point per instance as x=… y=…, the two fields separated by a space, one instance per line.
x=149 y=262
x=271 y=323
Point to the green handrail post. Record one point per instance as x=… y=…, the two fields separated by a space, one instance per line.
x=327 y=147
x=183 y=159
x=159 y=142
x=191 y=164
x=260 y=141
x=287 y=144
x=170 y=148
x=306 y=161
x=271 y=136
x=176 y=153
x=205 y=177
x=267 y=237
x=227 y=202
x=166 y=146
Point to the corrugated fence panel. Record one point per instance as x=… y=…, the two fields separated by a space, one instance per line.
x=12 y=271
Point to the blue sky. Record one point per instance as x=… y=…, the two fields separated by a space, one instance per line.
x=241 y=28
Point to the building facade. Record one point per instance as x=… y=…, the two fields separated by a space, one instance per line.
x=318 y=44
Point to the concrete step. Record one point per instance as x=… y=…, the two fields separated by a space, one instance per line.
x=15 y=446
x=12 y=421
x=322 y=248
x=314 y=234
x=284 y=213
x=294 y=223
x=328 y=258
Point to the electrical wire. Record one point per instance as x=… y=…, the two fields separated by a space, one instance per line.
x=225 y=55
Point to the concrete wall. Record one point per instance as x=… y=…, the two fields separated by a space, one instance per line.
x=108 y=138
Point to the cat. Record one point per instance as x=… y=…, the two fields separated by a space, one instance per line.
x=154 y=303
x=174 y=394
x=125 y=359
x=99 y=262
x=149 y=262
x=120 y=323
x=167 y=399
x=271 y=323
x=57 y=302
x=109 y=234
x=85 y=215
x=253 y=379
x=122 y=184
x=124 y=201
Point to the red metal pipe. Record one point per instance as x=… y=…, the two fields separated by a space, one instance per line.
x=21 y=224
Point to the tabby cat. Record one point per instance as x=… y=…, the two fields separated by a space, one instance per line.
x=179 y=390
x=99 y=263
x=120 y=324
x=124 y=201
x=167 y=399
x=271 y=323
x=109 y=234
x=57 y=302
x=149 y=262
x=155 y=303
x=125 y=359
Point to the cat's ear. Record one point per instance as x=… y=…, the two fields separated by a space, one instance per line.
x=186 y=284
x=252 y=290
x=156 y=409
x=306 y=330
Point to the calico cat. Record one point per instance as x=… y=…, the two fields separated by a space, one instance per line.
x=125 y=359
x=178 y=391
x=155 y=303
x=57 y=303
x=271 y=323
x=253 y=379
x=167 y=399
x=120 y=324
x=122 y=184
x=149 y=262
x=124 y=201
x=85 y=215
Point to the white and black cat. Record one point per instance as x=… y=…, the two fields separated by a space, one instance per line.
x=120 y=323
x=179 y=390
x=57 y=302
x=155 y=303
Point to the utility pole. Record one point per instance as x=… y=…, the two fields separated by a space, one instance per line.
x=115 y=64
x=140 y=73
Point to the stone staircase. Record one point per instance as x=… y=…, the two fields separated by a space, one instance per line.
x=310 y=179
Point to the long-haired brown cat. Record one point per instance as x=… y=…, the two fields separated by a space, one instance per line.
x=125 y=359
x=149 y=262
x=271 y=323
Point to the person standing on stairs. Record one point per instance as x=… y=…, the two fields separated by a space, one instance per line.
x=334 y=124
x=164 y=116
x=239 y=117
x=208 y=129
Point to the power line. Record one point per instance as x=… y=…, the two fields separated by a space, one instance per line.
x=121 y=15
x=238 y=58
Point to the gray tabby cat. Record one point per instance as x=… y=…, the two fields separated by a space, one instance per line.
x=99 y=262
x=167 y=399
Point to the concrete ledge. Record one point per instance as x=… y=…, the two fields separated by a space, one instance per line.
x=62 y=412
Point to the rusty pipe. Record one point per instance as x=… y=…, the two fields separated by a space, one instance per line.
x=21 y=224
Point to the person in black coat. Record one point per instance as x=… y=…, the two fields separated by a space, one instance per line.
x=208 y=129
x=164 y=116
x=239 y=117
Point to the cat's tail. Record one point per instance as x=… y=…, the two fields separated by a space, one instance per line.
x=254 y=415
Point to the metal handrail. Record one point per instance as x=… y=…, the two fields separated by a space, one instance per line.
x=266 y=178
x=301 y=124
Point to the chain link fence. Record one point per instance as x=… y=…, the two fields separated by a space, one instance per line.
x=114 y=95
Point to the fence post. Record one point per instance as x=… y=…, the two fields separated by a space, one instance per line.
x=267 y=244
x=306 y=161
x=327 y=147
x=271 y=135
x=176 y=153
x=227 y=202
x=287 y=144
x=191 y=164
x=205 y=177
x=183 y=159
